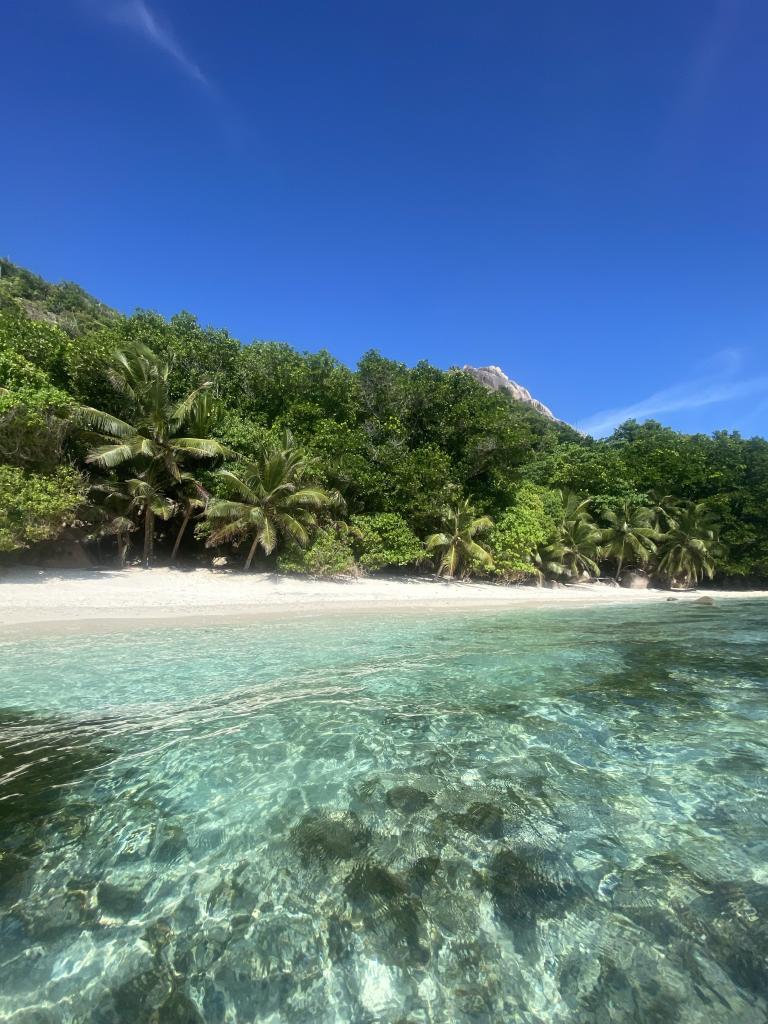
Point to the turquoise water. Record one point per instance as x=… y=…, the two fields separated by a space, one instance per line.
x=535 y=817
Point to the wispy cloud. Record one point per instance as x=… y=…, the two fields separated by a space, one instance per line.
x=137 y=16
x=721 y=381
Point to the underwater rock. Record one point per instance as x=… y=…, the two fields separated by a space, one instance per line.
x=485 y=820
x=170 y=843
x=41 y=759
x=672 y=599
x=522 y=891
x=371 y=884
x=178 y=1008
x=422 y=872
x=733 y=920
x=120 y=900
x=408 y=799
x=60 y=913
x=339 y=938
x=388 y=911
x=12 y=868
x=330 y=836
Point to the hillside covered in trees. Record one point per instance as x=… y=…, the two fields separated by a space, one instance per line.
x=156 y=440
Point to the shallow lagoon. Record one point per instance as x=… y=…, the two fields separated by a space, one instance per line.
x=550 y=816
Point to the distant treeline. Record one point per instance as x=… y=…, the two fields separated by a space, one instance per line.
x=148 y=438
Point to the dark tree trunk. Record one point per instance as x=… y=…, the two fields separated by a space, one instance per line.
x=179 y=535
x=251 y=553
x=149 y=536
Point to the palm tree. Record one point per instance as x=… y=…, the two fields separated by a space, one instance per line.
x=577 y=547
x=150 y=501
x=162 y=438
x=109 y=515
x=572 y=551
x=663 y=510
x=455 y=544
x=687 y=551
x=547 y=560
x=575 y=509
x=628 y=535
x=271 y=500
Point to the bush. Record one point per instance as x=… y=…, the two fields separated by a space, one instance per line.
x=329 y=554
x=34 y=506
x=385 y=541
x=531 y=520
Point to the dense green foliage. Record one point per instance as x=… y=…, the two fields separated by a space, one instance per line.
x=35 y=506
x=140 y=425
x=329 y=554
x=385 y=541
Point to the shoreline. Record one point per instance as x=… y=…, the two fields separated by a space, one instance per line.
x=38 y=601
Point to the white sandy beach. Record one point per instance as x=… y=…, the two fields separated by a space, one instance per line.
x=36 y=599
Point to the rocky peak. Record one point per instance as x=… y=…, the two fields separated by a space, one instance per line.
x=494 y=378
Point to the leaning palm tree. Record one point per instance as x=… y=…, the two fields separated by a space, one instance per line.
x=271 y=499
x=688 y=550
x=162 y=436
x=628 y=536
x=455 y=544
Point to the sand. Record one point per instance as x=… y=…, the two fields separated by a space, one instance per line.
x=42 y=600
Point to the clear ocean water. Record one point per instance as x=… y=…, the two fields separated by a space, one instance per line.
x=533 y=817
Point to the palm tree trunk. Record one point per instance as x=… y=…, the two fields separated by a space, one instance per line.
x=180 y=534
x=251 y=553
x=149 y=536
x=618 y=567
x=121 y=549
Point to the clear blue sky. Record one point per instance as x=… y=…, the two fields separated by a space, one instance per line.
x=577 y=191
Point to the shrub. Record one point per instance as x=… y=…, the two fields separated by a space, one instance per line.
x=384 y=541
x=36 y=506
x=329 y=554
x=530 y=521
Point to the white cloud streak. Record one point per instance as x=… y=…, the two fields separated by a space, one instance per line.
x=721 y=384
x=137 y=16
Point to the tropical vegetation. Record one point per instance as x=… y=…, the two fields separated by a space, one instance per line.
x=144 y=440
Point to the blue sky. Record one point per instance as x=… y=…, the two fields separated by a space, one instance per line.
x=574 y=191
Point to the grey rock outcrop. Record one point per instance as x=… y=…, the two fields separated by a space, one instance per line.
x=494 y=378
x=635 y=581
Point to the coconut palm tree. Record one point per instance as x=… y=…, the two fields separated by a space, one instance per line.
x=108 y=514
x=577 y=545
x=271 y=499
x=663 y=510
x=455 y=543
x=575 y=509
x=628 y=536
x=547 y=560
x=150 y=501
x=687 y=552
x=573 y=549
x=162 y=437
